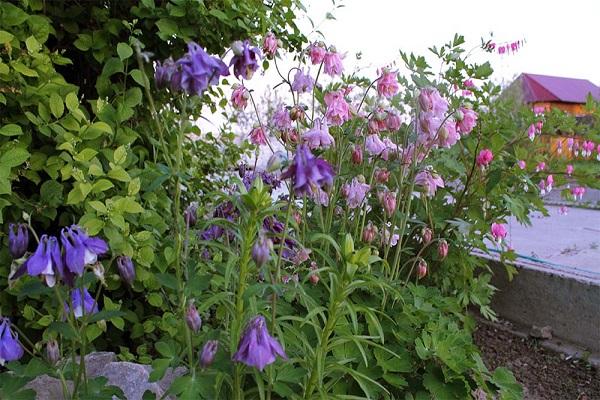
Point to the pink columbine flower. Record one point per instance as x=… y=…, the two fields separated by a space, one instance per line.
x=281 y=119
x=316 y=52
x=570 y=169
x=270 y=44
x=258 y=136
x=338 y=110
x=374 y=145
x=369 y=233
x=468 y=83
x=522 y=164
x=357 y=155
x=387 y=85
x=442 y=249
x=484 y=158
x=540 y=167
x=319 y=136
x=388 y=201
x=333 y=63
x=239 y=97
x=498 y=232
x=393 y=121
x=468 y=121
x=390 y=149
x=429 y=181
x=355 y=192
x=447 y=134
x=382 y=175
x=431 y=101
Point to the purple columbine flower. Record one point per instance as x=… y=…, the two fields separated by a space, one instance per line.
x=126 y=269
x=10 y=348
x=80 y=249
x=261 y=251
x=302 y=83
x=47 y=261
x=164 y=72
x=307 y=171
x=198 y=70
x=18 y=240
x=257 y=348
x=208 y=353
x=245 y=59
x=86 y=305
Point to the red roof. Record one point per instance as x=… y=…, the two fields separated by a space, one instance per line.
x=553 y=88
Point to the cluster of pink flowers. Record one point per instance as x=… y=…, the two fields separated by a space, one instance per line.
x=507 y=47
x=338 y=110
x=387 y=84
x=484 y=158
x=355 y=192
x=578 y=192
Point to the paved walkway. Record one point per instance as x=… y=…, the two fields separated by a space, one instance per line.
x=571 y=241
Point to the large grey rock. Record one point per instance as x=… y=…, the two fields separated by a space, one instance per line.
x=131 y=378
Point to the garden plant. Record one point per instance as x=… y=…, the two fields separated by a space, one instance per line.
x=343 y=268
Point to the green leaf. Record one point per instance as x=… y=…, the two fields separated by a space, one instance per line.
x=155 y=299
x=119 y=174
x=133 y=97
x=56 y=105
x=23 y=70
x=102 y=185
x=72 y=101
x=11 y=130
x=14 y=157
x=120 y=155
x=124 y=50
x=12 y=15
x=112 y=66
x=83 y=42
x=51 y=193
x=33 y=46
x=5 y=37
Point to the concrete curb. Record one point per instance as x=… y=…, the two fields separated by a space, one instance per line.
x=544 y=295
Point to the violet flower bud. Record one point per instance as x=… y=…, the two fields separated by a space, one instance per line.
x=126 y=269
x=443 y=249
x=18 y=240
x=190 y=214
x=261 y=251
x=369 y=233
x=207 y=355
x=52 y=352
x=192 y=318
x=426 y=235
x=422 y=269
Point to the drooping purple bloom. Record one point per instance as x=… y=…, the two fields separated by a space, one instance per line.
x=261 y=251
x=192 y=318
x=47 y=261
x=80 y=249
x=10 y=348
x=52 y=352
x=213 y=232
x=319 y=136
x=257 y=348
x=199 y=70
x=164 y=72
x=307 y=171
x=245 y=59
x=126 y=269
x=208 y=353
x=269 y=180
x=86 y=306
x=190 y=214
x=302 y=83
x=18 y=240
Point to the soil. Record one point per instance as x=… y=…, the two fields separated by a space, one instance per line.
x=544 y=374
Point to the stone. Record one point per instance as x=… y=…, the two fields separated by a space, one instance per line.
x=544 y=332
x=130 y=377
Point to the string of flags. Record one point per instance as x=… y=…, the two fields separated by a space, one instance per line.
x=505 y=47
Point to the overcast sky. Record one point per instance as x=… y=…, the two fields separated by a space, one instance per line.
x=562 y=37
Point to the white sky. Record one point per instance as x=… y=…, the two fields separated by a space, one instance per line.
x=562 y=36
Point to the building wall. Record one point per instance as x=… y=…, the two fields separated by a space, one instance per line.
x=572 y=108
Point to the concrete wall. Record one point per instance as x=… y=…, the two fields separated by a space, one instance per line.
x=541 y=297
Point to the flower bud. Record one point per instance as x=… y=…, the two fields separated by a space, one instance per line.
x=126 y=269
x=18 y=240
x=426 y=235
x=52 y=352
x=297 y=217
x=261 y=251
x=314 y=276
x=443 y=249
x=190 y=214
x=296 y=113
x=369 y=233
x=276 y=161
x=422 y=269
x=192 y=318
x=382 y=175
x=98 y=270
x=388 y=202
x=207 y=355
x=459 y=115
x=357 y=155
